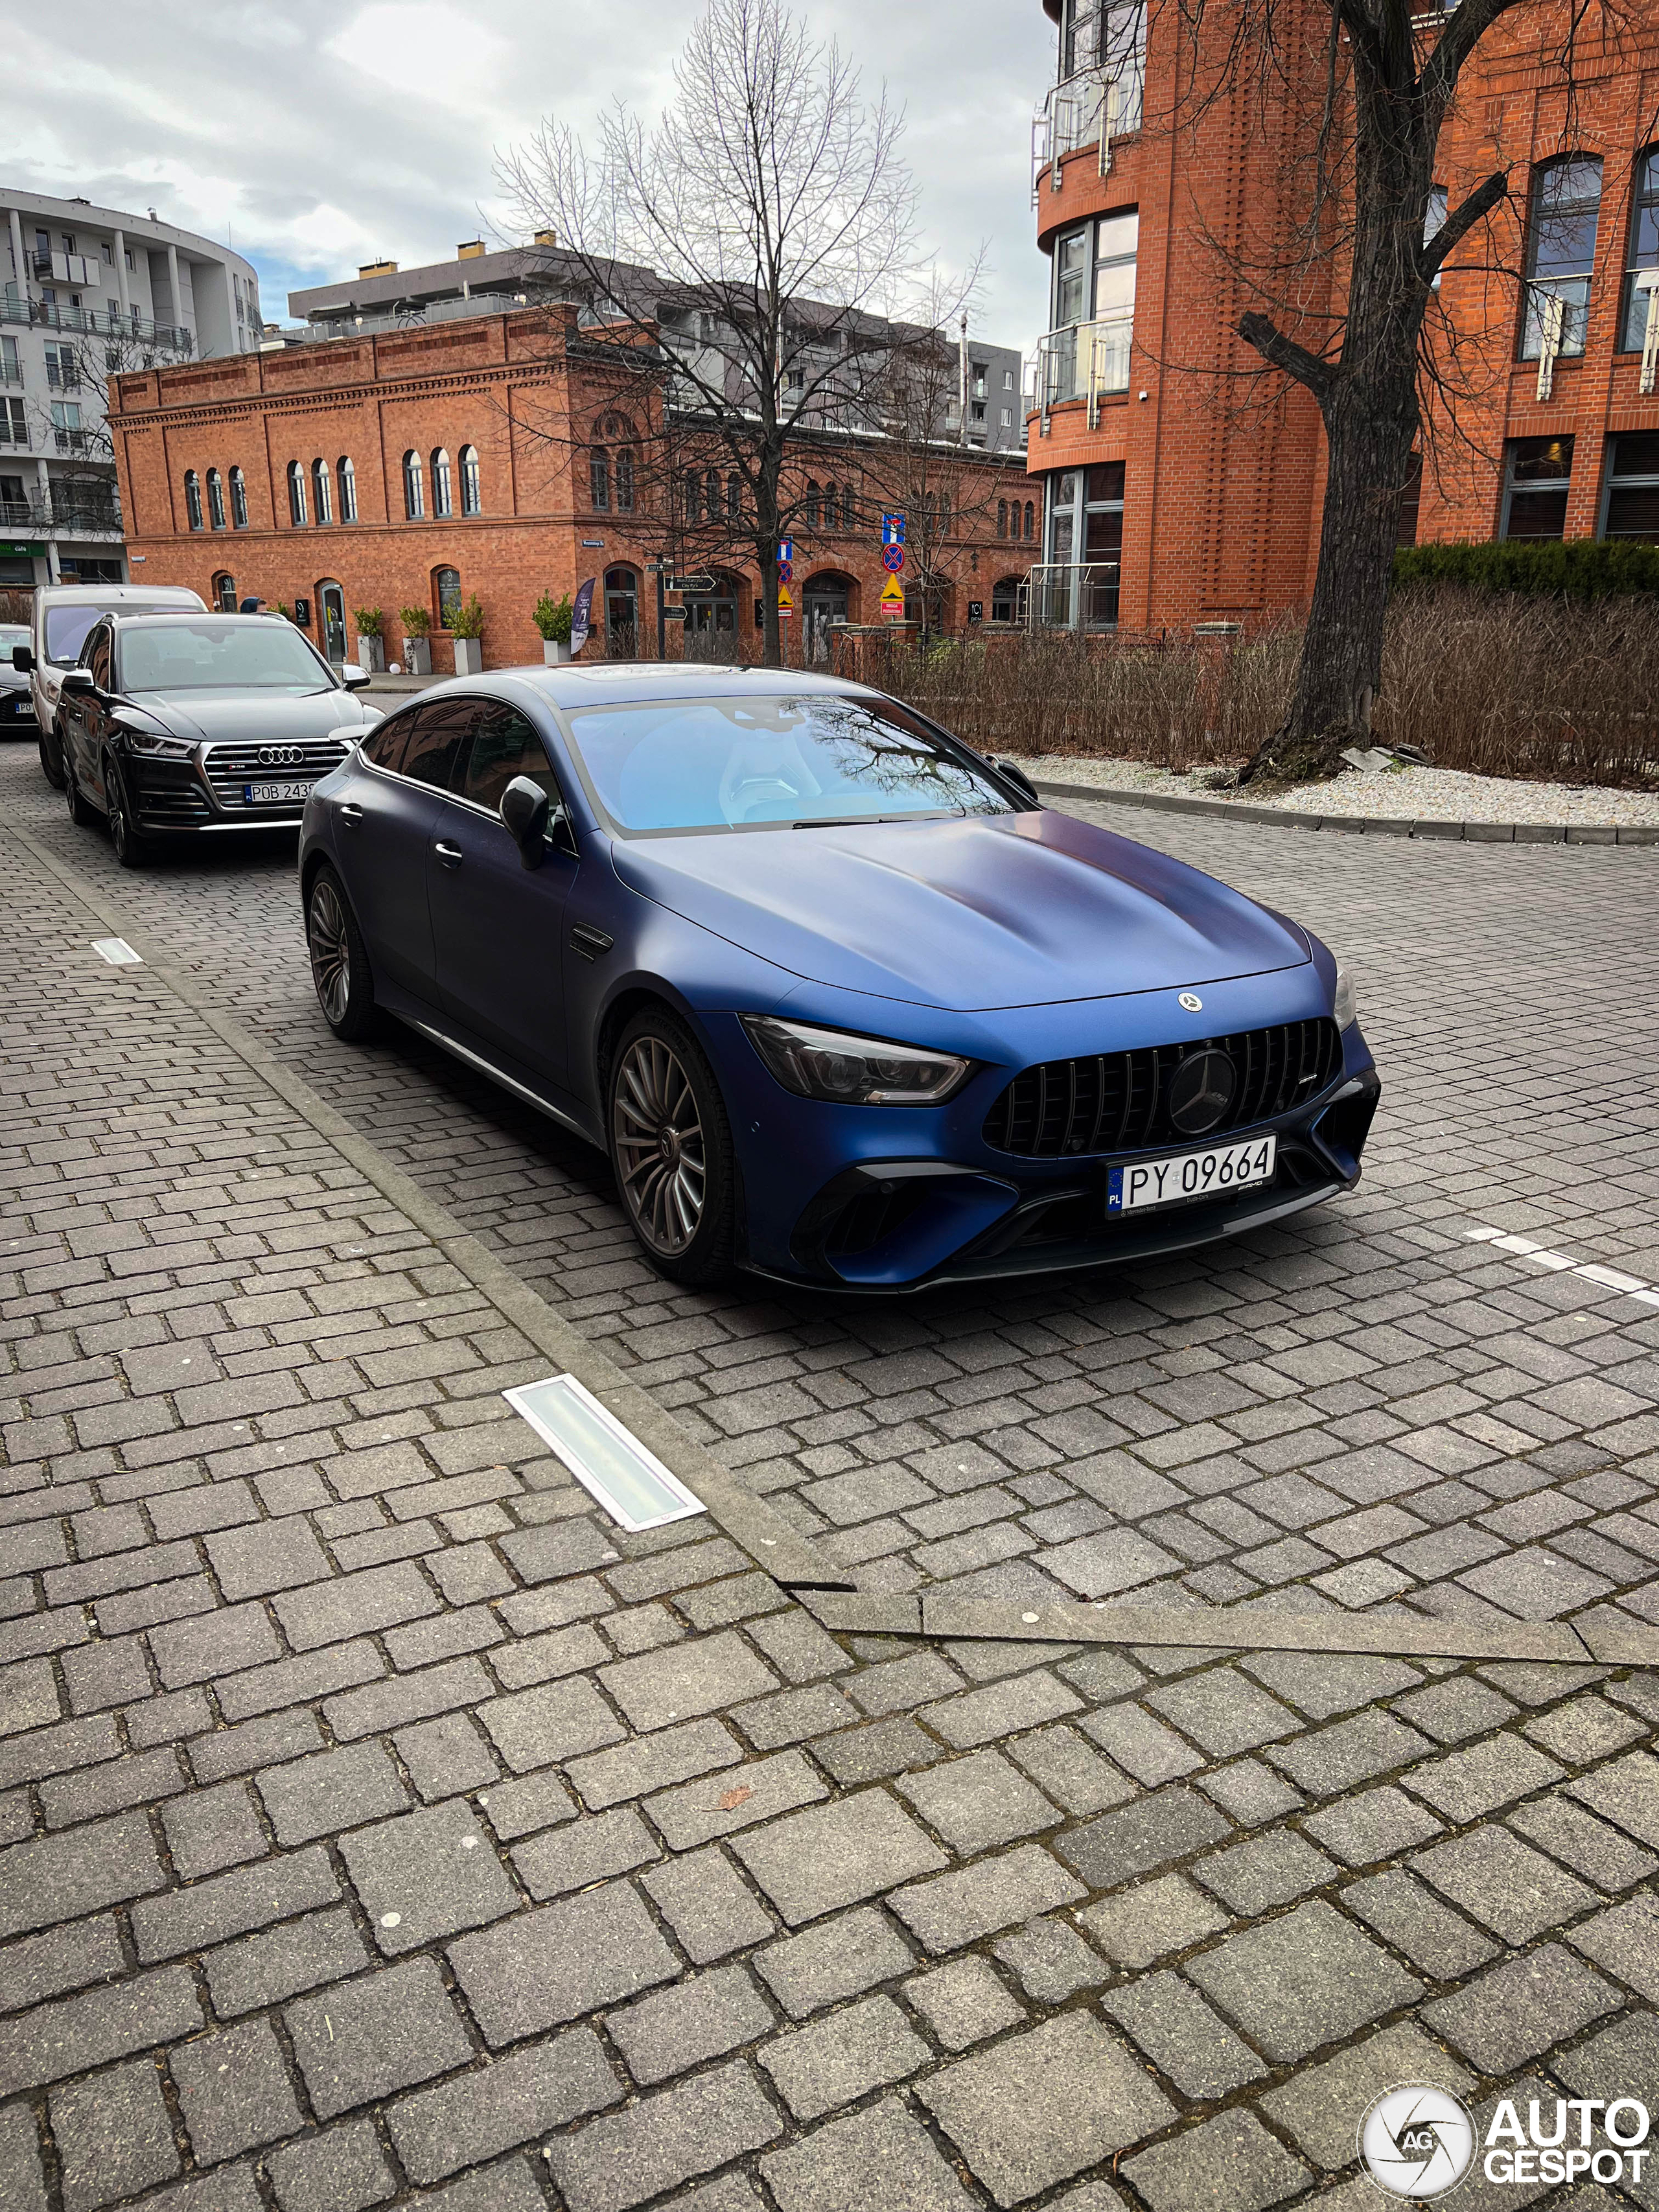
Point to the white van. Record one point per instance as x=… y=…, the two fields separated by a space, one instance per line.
x=61 y=617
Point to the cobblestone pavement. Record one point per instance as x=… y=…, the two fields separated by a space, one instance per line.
x=375 y=1815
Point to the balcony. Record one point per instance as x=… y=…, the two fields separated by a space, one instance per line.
x=52 y=315
x=1083 y=360
x=1071 y=595
x=82 y=514
x=1090 y=109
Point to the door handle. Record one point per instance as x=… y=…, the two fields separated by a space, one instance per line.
x=351 y=814
x=589 y=942
x=450 y=856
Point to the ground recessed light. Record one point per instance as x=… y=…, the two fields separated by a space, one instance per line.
x=116 y=951
x=632 y=1483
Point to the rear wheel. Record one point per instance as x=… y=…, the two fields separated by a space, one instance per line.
x=82 y=812
x=131 y=850
x=52 y=758
x=670 y=1145
x=339 y=959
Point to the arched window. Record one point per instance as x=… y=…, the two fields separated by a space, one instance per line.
x=296 y=495
x=1643 y=253
x=238 y=499
x=224 y=593
x=831 y=508
x=447 y=584
x=813 y=510
x=1566 y=204
x=442 y=500
x=624 y=480
x=215 y=499
x=471 y=481
x=1002 y=518
x=734 y=497
x=346 y=476
x=192 y=499
x=414 y=491
x=322 y=492
x=711 y=487
x=598 y=480
x=1031 y=522
x=691 y=491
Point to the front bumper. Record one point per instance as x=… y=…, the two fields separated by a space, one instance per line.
x=17 y=710
x=204 y=792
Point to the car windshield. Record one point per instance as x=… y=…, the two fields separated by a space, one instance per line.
x=13 y=634
x=67 y=629
x=263 y=655
x=776 y=763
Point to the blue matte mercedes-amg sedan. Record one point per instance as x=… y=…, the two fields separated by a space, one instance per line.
x=845 y=1003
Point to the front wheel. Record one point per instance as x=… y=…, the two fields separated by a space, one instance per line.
x=671 y=1145
x=339 y=959
x=52 y=758
x=131 y=850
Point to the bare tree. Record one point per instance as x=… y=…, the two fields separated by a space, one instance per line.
x=88 y=360
x=1343 y=293
x=741 y=258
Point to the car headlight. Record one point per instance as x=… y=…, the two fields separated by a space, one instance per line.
x=155 y=744
x=1345 y=1007
x=853 y=1071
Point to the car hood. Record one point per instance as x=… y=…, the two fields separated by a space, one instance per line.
x=970 y=915
x=250 y=717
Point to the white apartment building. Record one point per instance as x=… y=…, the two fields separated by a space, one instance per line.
x=86 y=293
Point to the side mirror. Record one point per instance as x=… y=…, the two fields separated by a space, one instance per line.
x=77 y=679
x=22 y=659
x=1012 y=771
x=353 y=678
x=524 y=811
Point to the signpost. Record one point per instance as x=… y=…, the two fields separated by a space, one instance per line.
x=786 y=604
x=672 y=614
x=892 y=599
x=892 y=558
x=892 y=529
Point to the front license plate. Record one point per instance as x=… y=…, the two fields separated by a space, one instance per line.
x=1190 y=1175
x=264 y=795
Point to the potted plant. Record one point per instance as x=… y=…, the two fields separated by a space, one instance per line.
x=417 y=644
x=371 y=645
x=552 y=619
x=467 y=627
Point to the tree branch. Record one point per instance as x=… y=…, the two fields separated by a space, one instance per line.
x=1280 y=352
x=1461 y=222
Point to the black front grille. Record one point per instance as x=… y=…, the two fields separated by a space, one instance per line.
x=167 y=793
x=230 y=767
x=1117 y=1102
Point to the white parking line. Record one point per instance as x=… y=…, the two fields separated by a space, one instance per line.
x=1539 y=1255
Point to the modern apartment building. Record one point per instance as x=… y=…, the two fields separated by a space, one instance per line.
x=91 y=292
x=1168 y=501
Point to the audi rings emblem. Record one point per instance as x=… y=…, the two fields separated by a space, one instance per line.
x=280 y=757
x=1190 y=1000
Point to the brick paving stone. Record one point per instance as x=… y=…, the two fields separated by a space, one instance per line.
x=1520 y=2009
x=1229 y=2160
x=1626 y=1942
x=281 y=1962
x=812 y=1861
x=653 y=1762
x=1141 y=1745
x=703 y=2017
x=343 y=2169
x=113 y=2135
x=979 y=1801
x=369 y=2037
x=1455 y=1709
x=861 y=2047
x=1050 y=1960
x=619 y=2161
x=1376 y=1824
x=68 y=1958
x=693 y=1678
x=1588 y=1846
x=1479 y=1780
x=1152 y=1921
x=1024 y=1703
x=896 y=1684
x=963 y=2001
x=1250 y=1793
x=1352 y=1752
x=1069 y=1771
x=1329 y=1684
x=874 y=1754
x=319 y=1796
x=1626 y=1792
x=535 y=1728
x=581 y=1852
x=1621 y=2061
x=231 y=1904
x=721 y=1804
x=446 y=1756
x=1497 y=1879
x=355 y=1605
x=1182 y=2037
x=705 y=1902
x=214 y=1644
x=1170 y=1824
x=426 y=1874
x=497 y=2107
x=1042 y=2105
x=1439 y=1943
x=1269 y=1870
x=519 y=1808
x=264 y=1556
x=54 y=2041
x=841 y=1959
x=551 y=1965
x=213 y=1829
x=234 y=2090
x=1307 y=1979
x=830 y=2169
x=1320 y=2108
x=1224 y=1712
x=993 y=1893
x=57 y=1878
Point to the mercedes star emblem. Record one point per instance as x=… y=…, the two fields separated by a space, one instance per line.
x=1191 y=1001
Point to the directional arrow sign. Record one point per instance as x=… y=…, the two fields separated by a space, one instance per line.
x=693 y=583
x=674 y=614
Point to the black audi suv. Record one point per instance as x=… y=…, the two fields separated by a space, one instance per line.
x=201 y=723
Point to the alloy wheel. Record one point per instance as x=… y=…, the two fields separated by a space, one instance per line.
x=331 y=951
x=120 y=829
x=659 y=1137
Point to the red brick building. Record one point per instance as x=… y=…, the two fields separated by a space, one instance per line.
x=1167 y=502
x=484 y=456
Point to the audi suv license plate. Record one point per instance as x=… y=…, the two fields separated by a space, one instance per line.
x=263 y=794
x=1190 y=1175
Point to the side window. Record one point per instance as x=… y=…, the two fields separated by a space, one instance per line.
x=436 y=739
x=384 y=747
x=505 y=744
x=98 y=659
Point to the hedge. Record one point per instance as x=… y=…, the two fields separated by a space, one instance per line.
x=1576 y=567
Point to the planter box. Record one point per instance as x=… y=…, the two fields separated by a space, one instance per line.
x=554 y=654
x=371 y=653
x=418 y=656
x=469 y=656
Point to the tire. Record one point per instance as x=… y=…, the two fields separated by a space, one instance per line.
x=340 y=971
x=82 y=812
x=51 y=758
x=131 y=849
x=670 y=1146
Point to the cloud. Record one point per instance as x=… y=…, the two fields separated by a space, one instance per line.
x=318 y=135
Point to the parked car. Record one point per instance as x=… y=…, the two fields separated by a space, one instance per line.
x=59 y=621
x=201 y=723
x=16 y=697
x=843 y=1002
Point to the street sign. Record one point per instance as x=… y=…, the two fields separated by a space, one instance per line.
x=786 y=551
x=892 y=593
x=976 y=610
x=892 y=529
x=785 y=572
x=892 y=558
x=674 y=614
x=692 y=584
x=786 y=604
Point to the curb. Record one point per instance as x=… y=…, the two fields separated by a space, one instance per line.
x=1355 y=825
x=754 y=1524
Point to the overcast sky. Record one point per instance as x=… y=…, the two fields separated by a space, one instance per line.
x=318 y=134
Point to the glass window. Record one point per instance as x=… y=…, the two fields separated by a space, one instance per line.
x=192 y=499
x=1537 y=477
x=504 y=744
x=322 y=491
x=238 y=499
x=1071 y=278
x=442 y=502
x=1633 y=508
x=258 y=654
x=728 y=763
x=216 y=491
x=447 y=584
x=1566 y=201
x=813 y=510
x=97 y=658
x=414 y=496
x=734 y=497
x=346 y=476
x=435 y=741
x=711 y=495
x=598 y=480
x=1434 y=221
x=224 y=594
x=296 y=495
x=1002 y=518
x=1079 y=583
x=1643 y=258
x=471 y=481
x=385 y=744
x=625 y=480
x=691 y=490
